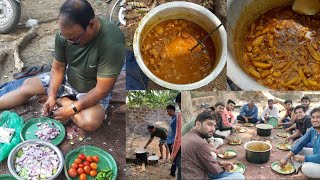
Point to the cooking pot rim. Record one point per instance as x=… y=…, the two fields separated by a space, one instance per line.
x=250 y=142
x=267 y=126
x=140 y=151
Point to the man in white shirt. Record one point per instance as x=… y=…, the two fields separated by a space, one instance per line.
x=269 y=112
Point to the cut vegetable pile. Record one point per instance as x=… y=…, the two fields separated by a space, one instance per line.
x=47 y=132
x=105 y=174
x=36 y=162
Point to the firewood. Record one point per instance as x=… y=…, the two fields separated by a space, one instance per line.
x=18 y=63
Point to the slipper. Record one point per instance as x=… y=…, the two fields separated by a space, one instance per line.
x=32 y=70
x=45 y=68
x=26 y=71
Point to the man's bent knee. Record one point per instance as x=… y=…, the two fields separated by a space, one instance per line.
x=89 y=124
x=32 y=86
x=311 y=170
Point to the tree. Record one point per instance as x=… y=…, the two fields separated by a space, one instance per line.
x=151 y=98
x=186 y=104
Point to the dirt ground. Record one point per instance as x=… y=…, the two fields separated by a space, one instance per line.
x=153 y=172
x=137 y=139
x=258 y=171
x=111 y=136
x=134 y=15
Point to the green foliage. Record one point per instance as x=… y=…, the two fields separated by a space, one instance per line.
x=151 y=98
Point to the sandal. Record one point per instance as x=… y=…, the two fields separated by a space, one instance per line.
x=31 y=71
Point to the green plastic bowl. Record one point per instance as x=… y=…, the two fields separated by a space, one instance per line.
x=7 y=177
x=29 y=128
x=106 y=160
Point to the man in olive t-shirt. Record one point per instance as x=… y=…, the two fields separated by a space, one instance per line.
x=161 y=133
x=89 y=55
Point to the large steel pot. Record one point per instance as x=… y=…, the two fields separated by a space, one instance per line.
x=240 y=16
x=141 y=156
x=264 y=129
x=188 y=11
x=257 y=157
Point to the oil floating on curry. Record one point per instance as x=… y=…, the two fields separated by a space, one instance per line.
x=282 y=50
x=166 y=52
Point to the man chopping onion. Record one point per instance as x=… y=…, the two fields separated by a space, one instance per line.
x=89 y=55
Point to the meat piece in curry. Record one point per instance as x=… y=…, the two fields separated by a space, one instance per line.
x=282 y=50
x=166 y=52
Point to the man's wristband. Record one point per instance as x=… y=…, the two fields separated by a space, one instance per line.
x=74 y=108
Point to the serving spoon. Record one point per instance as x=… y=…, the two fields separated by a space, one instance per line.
x=306 y=7
x=200 y=42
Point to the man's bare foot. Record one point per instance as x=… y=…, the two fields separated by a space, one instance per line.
x=300 y=176
x=165 y=160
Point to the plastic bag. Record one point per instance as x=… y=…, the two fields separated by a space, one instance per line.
x=10 y=120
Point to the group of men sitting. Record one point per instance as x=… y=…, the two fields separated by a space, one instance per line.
x=201 y=137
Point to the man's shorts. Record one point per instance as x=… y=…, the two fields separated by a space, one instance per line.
x=162 y=141
x=66 y=90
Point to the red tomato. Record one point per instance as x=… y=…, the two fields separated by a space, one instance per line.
x=83 y=176
x=82 y=156
x=93 y=173
x=87 y=163
x=87 y=169
x=74 y=165
x=94 y=166
x=72 y=172
x=89 y=158
x=95 y=158
x=80 y=165
x=77 y=160
x=80 y=171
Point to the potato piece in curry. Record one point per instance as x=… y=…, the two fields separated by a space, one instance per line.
x=282 y=50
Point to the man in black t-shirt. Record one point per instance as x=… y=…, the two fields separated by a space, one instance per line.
x=161 y=133
x=303 y=123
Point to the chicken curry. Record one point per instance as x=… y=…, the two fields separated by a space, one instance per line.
x=166 y=52
x=282 y=50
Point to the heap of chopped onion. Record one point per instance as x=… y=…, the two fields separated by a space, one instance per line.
x=46 y=132
x=36 y=162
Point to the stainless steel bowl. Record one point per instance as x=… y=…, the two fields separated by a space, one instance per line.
x=15 y=150
x=240 y=16
x=188 y=11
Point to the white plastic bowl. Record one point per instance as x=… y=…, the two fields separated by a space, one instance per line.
x=188 y=11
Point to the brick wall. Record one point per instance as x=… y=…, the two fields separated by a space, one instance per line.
x=196 y=102
x=138 y=118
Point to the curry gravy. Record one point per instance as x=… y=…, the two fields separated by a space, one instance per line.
x=282 y=50
x=165 y=51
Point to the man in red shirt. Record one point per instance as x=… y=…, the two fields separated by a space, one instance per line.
x=228 y=118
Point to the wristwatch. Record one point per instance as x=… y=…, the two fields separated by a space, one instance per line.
x=74 y=108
